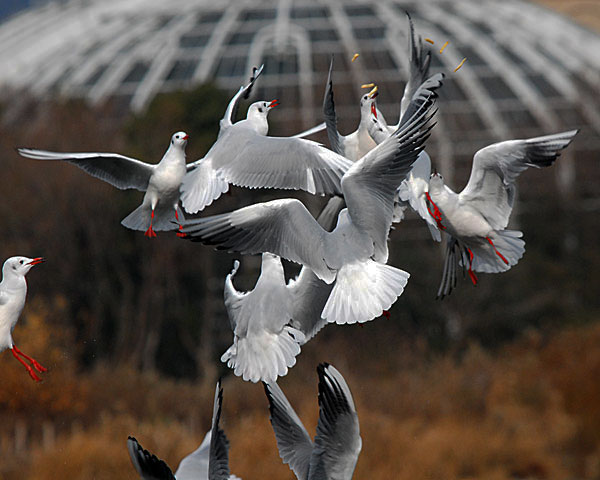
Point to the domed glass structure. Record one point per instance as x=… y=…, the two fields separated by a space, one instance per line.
x=528 y=70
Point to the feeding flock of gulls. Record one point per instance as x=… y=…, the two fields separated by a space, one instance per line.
x=373 y=175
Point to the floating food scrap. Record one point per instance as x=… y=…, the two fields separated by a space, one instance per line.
x=460 y=64
x=443 y=47
x=367 y=85
x=373 y=93
x=429 y=40
x=355 y=56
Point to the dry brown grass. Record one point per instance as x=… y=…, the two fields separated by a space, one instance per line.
x=529 y=410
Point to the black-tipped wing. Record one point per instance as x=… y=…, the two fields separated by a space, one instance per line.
x=338 y=442
x=120 y=171
x=371 y=183
x=148 y=465
x=283 y=227
x=243 y=93
x=490 y=189
x=218 y=464
x=418 y=66
x=335 y=139
x=293 y=442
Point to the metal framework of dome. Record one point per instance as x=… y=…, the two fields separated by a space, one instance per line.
x=529 y=70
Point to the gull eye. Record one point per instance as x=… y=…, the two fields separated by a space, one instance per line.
x=21 y=262
x=176 y=136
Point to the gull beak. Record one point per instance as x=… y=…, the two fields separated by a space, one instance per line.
x=374 y=110
x=273 y=103
x=186 y=137
x=37 y=261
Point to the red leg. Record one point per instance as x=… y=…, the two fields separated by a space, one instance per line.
x=31 y=360
x=471 y=273
x=386 y=314
x=436 y=214
x=150 y=232
x=496 y=250
x=32 y=374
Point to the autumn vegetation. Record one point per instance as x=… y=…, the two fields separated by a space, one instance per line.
x=498 y=381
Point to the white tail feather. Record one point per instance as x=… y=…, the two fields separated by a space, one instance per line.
x=201 y=187
x=265 y=356
x=139 y=219
x=508 y=243
x=362 y=291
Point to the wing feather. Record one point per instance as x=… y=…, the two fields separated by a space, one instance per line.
x=283 y=227
x=370 y=184
x=338 y=442
x=336 y=140
x=118 y=170
x=148 y=465
x=490 y=189
x=293 y=442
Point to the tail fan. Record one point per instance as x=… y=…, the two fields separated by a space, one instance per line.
x=265 y=356
x=362 y=291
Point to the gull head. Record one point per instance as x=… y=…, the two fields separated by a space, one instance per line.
x=368 y=104
x=261 y=109
x=436 y=182
x=20 y=265
x=179 y=139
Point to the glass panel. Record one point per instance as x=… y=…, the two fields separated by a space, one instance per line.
x=269 y=14
x=94 y=77
x=191 y=40
x=359 y=11
x=323 y=35
x=309 y=12
x=182 y=70
x=497 y=88
x=231 y=67
x=365 y=33
x=137 y=73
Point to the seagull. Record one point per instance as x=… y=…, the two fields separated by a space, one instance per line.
x=476 y=218
x=419 y=62
x=13 y=290
x=161 y=182
x=355 y=253
x=412 y=189
x=337 y=444
x=355 y=145
x=271 y=322
x=210 y=461
x=245 y=156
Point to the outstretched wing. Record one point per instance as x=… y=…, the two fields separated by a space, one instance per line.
x=243 y=92
x=218 y=464
x=371 y=183
x=148 y=465
x=419 y=67
x=247 y=159
x=338 y=442
x=294 y=444
x=120 y=171
x=283 y=227
x=316 y=129
x=490 y=189
x=335 y=139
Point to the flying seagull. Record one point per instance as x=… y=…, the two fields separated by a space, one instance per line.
x=271 y=322
x=476 y=218
x=161 y=182
x=13 y=290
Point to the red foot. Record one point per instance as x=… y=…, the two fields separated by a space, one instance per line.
x=182 y=235
x=176 y=215
x=150 y=232
x=32 y=374
x=471 y=273
x=386 y=314
x=496 y=250
x=436 y=214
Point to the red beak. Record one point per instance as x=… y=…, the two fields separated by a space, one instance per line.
x=373 y=110
x=186 y=137
x=273 y=103
x=36 y=261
